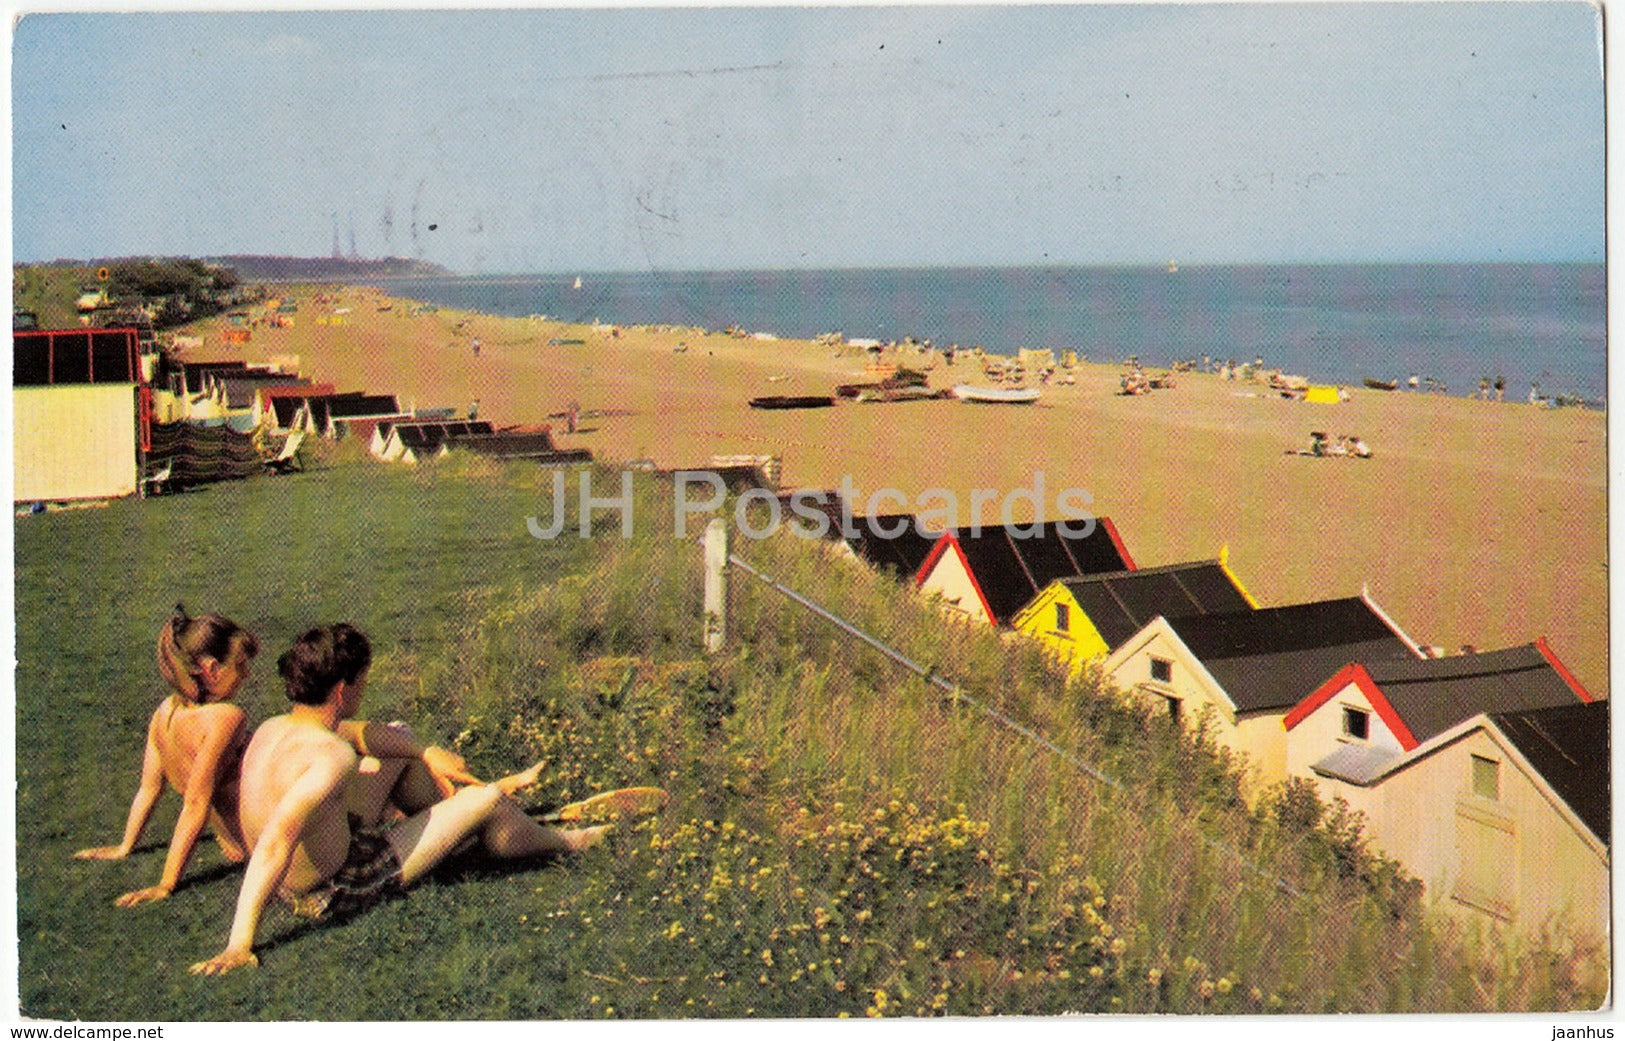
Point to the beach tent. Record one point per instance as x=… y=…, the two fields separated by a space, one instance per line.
x=1240 y=673
x=1504 y=813
x=81 y=412
x=1324 y=395
x=1084 y=617
x=988 y=573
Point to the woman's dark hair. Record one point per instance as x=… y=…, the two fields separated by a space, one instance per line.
x=321 y=658
x=184 y=642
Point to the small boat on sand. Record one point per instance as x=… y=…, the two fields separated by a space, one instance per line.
x=1382 y=384
x=791 y=401
x=996 y=395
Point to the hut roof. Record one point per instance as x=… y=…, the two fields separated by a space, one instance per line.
x=1120 y=603
x=239 y=390
x=1433 y=695
x=418 y=436
x=892 y=541
x=1011 y=567
x=1568 y=745
x=350 y=406
x=1275 y=657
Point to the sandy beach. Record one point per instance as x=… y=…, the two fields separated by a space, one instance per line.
x=1474 y=523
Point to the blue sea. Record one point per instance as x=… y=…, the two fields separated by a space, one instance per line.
x=1457 y=323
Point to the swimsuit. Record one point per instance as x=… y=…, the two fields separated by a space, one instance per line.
x=371 y=874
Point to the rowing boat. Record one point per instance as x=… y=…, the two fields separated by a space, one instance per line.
x=791 y=401
x=996 y=395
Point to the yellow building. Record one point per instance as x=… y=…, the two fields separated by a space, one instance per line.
x=1240 y=673
x=1485 y=775
x=1084 y=617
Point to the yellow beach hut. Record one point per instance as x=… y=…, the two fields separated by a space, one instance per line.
x=1080 y=618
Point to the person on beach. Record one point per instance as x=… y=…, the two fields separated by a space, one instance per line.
x=296 y=778
x=1500 y=388
x=195 y=740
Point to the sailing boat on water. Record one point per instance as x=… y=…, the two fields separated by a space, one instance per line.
x=578 y=282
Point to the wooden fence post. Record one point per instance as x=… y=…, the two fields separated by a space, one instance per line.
x=716 y=584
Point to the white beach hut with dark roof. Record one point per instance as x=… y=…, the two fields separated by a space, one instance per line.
x=1502 y=810
x=1244 y=670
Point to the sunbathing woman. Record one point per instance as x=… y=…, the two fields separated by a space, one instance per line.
x=195 y=741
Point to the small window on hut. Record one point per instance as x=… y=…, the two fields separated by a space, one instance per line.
x=1063 y=618
x=1162 y=670
x=1357 y=723
x=1486 y=778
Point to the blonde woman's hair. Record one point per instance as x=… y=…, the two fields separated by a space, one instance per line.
x=184 y=642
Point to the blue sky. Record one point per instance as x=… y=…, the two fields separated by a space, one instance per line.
x=672 y=138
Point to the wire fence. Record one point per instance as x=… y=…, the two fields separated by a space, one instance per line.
x=957 y=693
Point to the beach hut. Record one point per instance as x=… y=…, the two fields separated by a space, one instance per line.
x=1243 y=671
x=1370 y=712
x=268 y=415
x=236 y=392
x=81 y=414
x=358 y=414
x=408 y=442
x=1503 y=816
x=1084 y=617
x=892 y=542
x=989 y=573
x=190 y=378
x=1321 y=394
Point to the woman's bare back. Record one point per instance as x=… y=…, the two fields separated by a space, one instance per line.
x=179 y=730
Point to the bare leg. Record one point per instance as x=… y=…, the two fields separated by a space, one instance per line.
x=425 y=839
x=369 y=792
x=515 y=783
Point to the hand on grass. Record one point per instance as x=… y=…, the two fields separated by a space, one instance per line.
x=143 y=896
x=224 y=962
x=448 y=769
x=102 y=853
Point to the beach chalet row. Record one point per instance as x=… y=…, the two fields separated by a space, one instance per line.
x=1485 y=774
x=406 y=441
x=142 y=421
x=988 y=573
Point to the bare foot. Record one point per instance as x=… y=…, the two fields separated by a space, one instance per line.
x=586 y=838
x=514 y=783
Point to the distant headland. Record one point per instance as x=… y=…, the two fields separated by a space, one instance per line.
x=262 y=268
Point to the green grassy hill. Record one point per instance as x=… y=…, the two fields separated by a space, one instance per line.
x=841 y=839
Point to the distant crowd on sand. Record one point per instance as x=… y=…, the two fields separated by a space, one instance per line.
x=330 y=813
